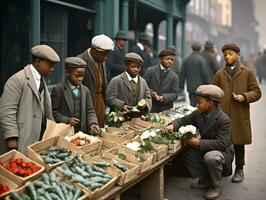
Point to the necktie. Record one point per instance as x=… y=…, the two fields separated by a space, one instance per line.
x=41 y=85
x=133 y=86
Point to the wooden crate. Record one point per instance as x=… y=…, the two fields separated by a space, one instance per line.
x=173 y=148
x=58 y=141
x=118 y=135
x=161 y=151
x=23 y=190
x=12 y=186
x=13 y=154
x=94 y=146
x=131 y=156
x=133 y=169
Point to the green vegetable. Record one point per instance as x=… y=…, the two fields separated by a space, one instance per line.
x=98 y=169
x=121 y=167
x=32 y=191
x=121 y=156
x=15 y=196
x=102 y=164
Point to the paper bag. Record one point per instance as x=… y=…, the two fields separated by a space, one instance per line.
x=57 y=129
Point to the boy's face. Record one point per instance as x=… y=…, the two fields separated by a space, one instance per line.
x=167 y=61
x=133 y=69
x=204 y=105
x=231 y=57
x=44 y=67
x=75 y=75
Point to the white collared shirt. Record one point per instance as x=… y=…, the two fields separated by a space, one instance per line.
x=163 y=68
x=36 y=76
x=136 y=79
x=140 y=46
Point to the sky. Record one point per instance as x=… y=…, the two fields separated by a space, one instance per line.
x=260 y=8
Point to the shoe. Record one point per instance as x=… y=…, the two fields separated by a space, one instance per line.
x=238 y=176
x=200 y=184
x=212 y=193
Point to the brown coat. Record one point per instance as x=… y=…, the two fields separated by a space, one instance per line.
x=243 y=82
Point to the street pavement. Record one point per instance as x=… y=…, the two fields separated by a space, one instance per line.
x=254 y=185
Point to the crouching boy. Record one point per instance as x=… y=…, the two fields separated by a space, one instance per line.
x=210 y=155
x=71 y=101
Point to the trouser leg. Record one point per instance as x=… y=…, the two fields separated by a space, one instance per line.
x=214 y=161
x=192 y=99
x=239 y=156
x=193 y=161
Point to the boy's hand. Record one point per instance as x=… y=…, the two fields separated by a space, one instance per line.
x=73 y=121
x=95 y=127
x=193 y=142
x=168 y=129
x=239 y=98
x=126 y=108
x=12 y=143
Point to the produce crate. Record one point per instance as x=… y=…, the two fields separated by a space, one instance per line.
x=118 y=135
x=132 y=157
x=130 y=174
x=23 y=190
x=161 y=150
x=13 y=154
x=12 y=186
x=173 y=148
x=58 y=141
x=98 y=191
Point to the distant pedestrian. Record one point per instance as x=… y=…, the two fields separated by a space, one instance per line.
x=143 y=48
x=177 y=61
x=163 y=82
x=263 y=66
x=241 y=88
x=95 y=72
x=210 y=58
x=115 y=63
x=127 y=89
x=193 y=72
x=71 y=100
x=211 y=155
x=259 y=67
x=25 y=104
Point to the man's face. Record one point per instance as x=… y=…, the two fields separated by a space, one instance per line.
x=44 y=67
x=230 y=56
x=133 y=69
x=76 y=75
x=121 y=43
x=167 y=61
x=100 y=56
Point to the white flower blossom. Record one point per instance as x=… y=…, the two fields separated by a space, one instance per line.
x=187 y=129
x=135 y=146
x=148 y=133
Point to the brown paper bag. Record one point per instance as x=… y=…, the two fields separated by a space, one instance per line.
x=56 y=129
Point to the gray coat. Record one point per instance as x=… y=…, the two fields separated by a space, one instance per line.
x=168 y=88
x=211 y=63
x=194 y=72
x=21 y=110
x=89 y=79
x=63 y=105
x=119 y=92
x=215 y=134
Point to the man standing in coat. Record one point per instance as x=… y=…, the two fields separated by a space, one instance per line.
x=210 y=59
x=163 y=82
x=25 y=103
x=95 y=72
x=127 y=89
x=194 y=72
x=116 y=60
x=212 y=154
x=241 y=88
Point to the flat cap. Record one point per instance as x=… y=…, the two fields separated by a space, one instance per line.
x=208 y=44
x=45 y=52
x=75 y=62
x=102 y=43
x=167 y=52
x=232 y=46
x=121 y=35
x=213 y=92
x=134 y=57
x=196 y=45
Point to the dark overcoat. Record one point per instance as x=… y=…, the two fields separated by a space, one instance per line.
x=242 y=82
x=214 y=135
x=63 y=106
x=168 y=88
x=119 y=93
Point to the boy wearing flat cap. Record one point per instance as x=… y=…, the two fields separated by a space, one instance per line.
x=95 y=72
x=25 y=103
x=210 y=155
x=127 y=89
x=241 y=88
x=71 y=100
x=163 y=82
